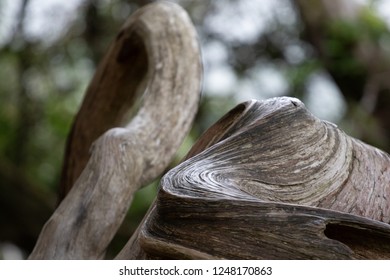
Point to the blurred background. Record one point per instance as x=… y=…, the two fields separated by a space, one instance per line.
x=333 y=55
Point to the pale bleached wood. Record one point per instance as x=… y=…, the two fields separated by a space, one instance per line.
x=156 y=52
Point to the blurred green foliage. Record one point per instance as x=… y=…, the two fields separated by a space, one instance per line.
x=342 y=37
x=371 y=24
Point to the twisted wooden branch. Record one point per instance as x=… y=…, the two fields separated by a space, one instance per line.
x=156 y=52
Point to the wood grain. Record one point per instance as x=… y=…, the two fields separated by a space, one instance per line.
x=271 y=181
x=278 y=151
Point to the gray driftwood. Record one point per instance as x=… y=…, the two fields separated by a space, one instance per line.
x=267 y=181
x=145 y=58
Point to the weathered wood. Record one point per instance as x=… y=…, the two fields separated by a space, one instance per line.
x=193 y=228
x=271 y=181
x=156 y=52
x=267 y=181
x=277 y=150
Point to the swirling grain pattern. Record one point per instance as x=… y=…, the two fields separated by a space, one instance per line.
x=277 y=151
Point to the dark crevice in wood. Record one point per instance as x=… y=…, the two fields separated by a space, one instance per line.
x=365 y=243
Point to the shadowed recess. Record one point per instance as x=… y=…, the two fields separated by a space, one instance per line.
x=365 y=243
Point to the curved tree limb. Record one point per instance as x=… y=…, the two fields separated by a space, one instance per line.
x=147 y=56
